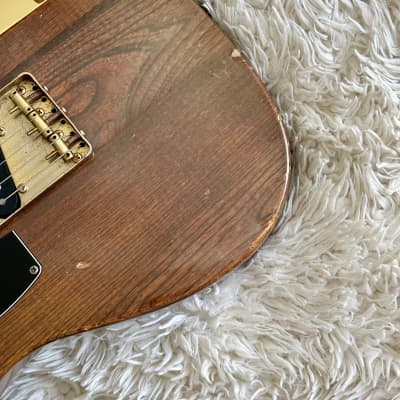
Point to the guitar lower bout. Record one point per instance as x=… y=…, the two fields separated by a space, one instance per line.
x=190 y=176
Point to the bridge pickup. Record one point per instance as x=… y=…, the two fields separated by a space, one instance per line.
x=8 y=190
x=19 y=271
x=38 y=141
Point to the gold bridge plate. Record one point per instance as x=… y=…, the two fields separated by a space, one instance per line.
x=26 y=154
x=12 y=11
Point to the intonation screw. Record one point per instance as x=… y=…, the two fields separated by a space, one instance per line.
x=2 y=132
x=34 y=270
x=77 y=157
x=22 y=188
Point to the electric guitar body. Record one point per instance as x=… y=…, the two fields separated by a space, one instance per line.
x=180 y=177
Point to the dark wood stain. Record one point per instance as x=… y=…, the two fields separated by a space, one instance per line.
x=190 y=171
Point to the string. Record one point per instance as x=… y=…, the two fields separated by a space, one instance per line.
x=5 y=199
x=48 y=113
x=11 y=136
x=18 y=169
x=7 y=139
x=15 y=152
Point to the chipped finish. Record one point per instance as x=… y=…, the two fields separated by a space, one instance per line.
x=82 y=265
x=236 y=53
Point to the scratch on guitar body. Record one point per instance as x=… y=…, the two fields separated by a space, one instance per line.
x=82 y=265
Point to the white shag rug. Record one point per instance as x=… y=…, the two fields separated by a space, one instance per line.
x=316 y=313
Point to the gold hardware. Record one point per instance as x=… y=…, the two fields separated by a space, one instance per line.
x=20 y=103
x=51 y=155
x=77 y=157
x=40 y=125
x=59 y=147
x=31 y=131
x=35 y=163
x=22 y=188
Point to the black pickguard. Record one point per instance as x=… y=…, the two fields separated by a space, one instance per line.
x=7 y=187
x=16 y=275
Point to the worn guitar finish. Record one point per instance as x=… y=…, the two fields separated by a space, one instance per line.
x=189 y=176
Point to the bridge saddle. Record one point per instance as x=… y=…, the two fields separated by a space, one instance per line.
x=38 y=143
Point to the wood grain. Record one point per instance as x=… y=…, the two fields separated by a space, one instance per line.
x=190 y=171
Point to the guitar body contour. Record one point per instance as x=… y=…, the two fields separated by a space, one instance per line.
x=189 y=174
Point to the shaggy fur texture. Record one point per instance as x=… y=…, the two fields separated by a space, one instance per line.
x=315 y=314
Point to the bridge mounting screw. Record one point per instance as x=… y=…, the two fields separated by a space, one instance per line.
x=34 y=270
x=2 y=132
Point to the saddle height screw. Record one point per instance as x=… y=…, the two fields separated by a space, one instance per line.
x=34 y=270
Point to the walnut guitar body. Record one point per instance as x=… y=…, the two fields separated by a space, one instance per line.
x=189 y=174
